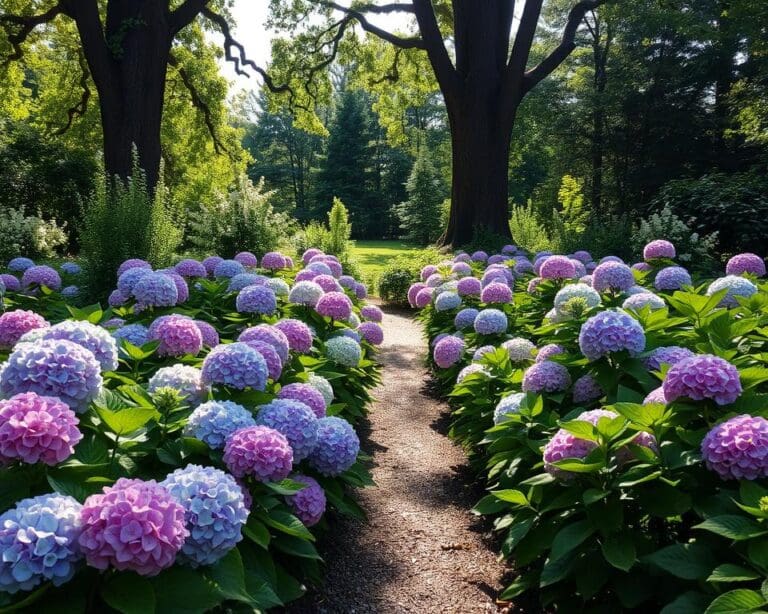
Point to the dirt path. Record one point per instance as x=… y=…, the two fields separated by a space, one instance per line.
x=421 y=550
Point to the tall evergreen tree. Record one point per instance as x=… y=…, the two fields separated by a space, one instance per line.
x=420 y=214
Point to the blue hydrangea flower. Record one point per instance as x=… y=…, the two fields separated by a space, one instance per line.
x=465 y=318
x=214 y=512
x=490 y=322
x=508 y=405
x=337 y=446
x=214 y=421
x=191 y=268
x=446 y=301
x=236 y=365
x=128 y=280
x=609 y=332
x=70 y=268
x=672 y=278
x=19 y=265
x=243 y=280
x=228 y=268
x=41 y=275
x=156 y=290
x=38 y=542
x=323 y=386
x=90 y=336
x=135 y=334
x=69 y=292
x=185 y=379
x=670 y=355
x=295 y=420
x=344 y=351
x=641 y=299
x=735 y=286
x=256 y=299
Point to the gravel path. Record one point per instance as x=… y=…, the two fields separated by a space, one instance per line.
x=420 y=550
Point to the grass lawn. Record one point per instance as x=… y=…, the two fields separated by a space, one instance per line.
x=374 y=256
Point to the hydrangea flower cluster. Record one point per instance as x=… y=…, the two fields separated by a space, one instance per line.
x=371 y=313
x=643 y=299
x=273 y=260
x=328 y=283
x=191 y=268
x=735 y=286
x=236 y=365
x=510 y=404
x=519 y=349
x=133 y=263
x=467 y=286
x=746 y=263
x=578 y=290
x=135 y=334
x=156 y=290
x=557 y=267
x=11 y=283
x=586 y=389
x=371 y=332
x=546 y=376
x=496 y=292
x=343 y=351
x=238 y=282
x=20 y=264
x=41 y=275
x=133 y=526
x=15 y=324
x=548 y=351
x=334 y=305
x=185 y=379
x=671 y=355
x=258 y=451
x=210 y=264
x=228 y=269
x=306 y=394
x=36 y=429
x=659 y=249
x=298 y=334
x=209 y=333
x=446 y=301
x=256 y=299
x=470 y=370
x=609 y=332
x=337 y=446
x=247 y=259
x=448 y=351
x=56 y=368
x=465 y=318
x=737 y=449
x=305 y=293
x=565 y=444
x=672 y=278
x=612 y=276
x=703 y=377
x=213 y=422
x=270 y=335
x=178 y=336
x=323 y=386
x=490 y=322
x=214 y=512
x=270 y=356
x=89 y=336
x=308 y=503
x=39 y=542
x=295 y=420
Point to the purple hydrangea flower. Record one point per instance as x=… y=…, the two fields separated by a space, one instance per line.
x=658 y=249
x=427 y=272
x=306 y=394
x=655 y=396
x=703 y=377
x=479 y=256
x=236 y=365
x=337 y=446
x=465 y=318
x=557 y=267
x=490 y=322
x=55 y=368
x=271 y=357
x=414 y=289
x=372 y=313
x=735 y=286
x=20 y=264
x=117 y=299
x=565 y=444
x=334 y=305
x=15 y=324
x=746 y=263
x=11 y=283
x=462 y=269
x=306 y=275
x=643 y=299
x=38 y=540
x=523 y=266
x=344 y=351
x=609 y=332
x=36 y=429
x=672 y=278
x=328 y=283
x=256 y=299
x=178 y=336
x=546 y=376
x=41 y=275
x=134 y=526
x=737 y=449
x=133 y=263
x=213 y=422
x=156 y=290
x=613 y=276
x=371 y=332
x=128 y=280
x=228 y=269
x=305 y=293
x=182 y=288
x=270 y=335
x=496 y=292
x=467 y=286
x=210 y=264
x=586 y=389
x=191 y=268
x=94 y=338
x=209 y=333
x=185 y=379
x=135 y=334
x=496 y=259
x=309 y=503
x=448 y=351
x=247 y=259
x=258 y=451
x=273 y=260
x=510 y=404
x=582 y=256
x=424 y=297
x=214 y=512
x=670 y=355
x=299 y=335
x=295 y=420
x=551 y=349
x=310 y=253
x=347 y=281
x=641 y=266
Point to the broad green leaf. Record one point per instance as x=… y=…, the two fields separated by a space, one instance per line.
x=286 y=523
x=570 y=537
x=736 y=602
x=295 y=546
x=129 y=593
x=580 y=428
x=619 y=550
x=517 y=531
x=257 y=532
x=126 y=420
x=690 y=602
x=181 y=590
x=732 y=573
x=511 y=496
x=687 y=561
x=733 y=527
x=228 y=576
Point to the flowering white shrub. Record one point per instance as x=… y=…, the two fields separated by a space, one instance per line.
x=691 y=247
x=31 y=235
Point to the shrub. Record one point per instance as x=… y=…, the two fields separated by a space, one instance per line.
x=29 y=235
x=420 y=214
x=339 y=230
x=394 y=281
x=527 y=230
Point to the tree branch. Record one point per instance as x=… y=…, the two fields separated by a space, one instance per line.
x=435 y=47
x=24 y=26
x=567 y=44
x=358 y=14
x=526 y=31
x=185 y=15
x=79 y=109
x=85 y=13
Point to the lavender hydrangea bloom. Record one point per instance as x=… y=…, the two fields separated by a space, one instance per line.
x=328 y=283
x=465 y=318
x=546 y=376
x=299 y=335
x=496 y=292
x=424 y=297
x=41 y=275
x=236 y=365
x=210 y=264
x=243 y=280
x=19 y=265
x=256 y=299
x=586 y=389
x=546 y=352
x=655 y=396
x=557 y=267
x=295 y=420
x=185 y=379
x=310 y=253
x=15 y=324
x=209 y=333
x=361 y=292
x=641 y=266
x=479 y=256
x=323 y=386
x=670 y=355
x=134 y=526
x=609 y=332
x=133 y=263
x=448 y=352
x=91 y=337
x=703 y=377
x=213 y=422
x=273 y=260
x=309 y=503
x=565 y=444
x=427 y=272
x=247 y=259
x=462 y=269
x=228 y=269
x=471 y=370
x=643 y=299
x=337 y=446
x=482 y=351
x=578 y=290
x=306 y=394
x=258 y=451
x=182 y=288
x=343 y=351
x=305 y=293
x=508 y=405
x=270 y=335
x=672 y=278
x=418 y=287
x=745 y=263
x=659 y=249
x=36 y=429
x=613 y=276
x=582 y=256
x=467 y=286
x=519 y=349
x=737 y=449
x=56 y=368
x=191 y=268
x=319 y=267
x=334 y=305
x=490 y=322
x=523 y=266
x=11 y=283
x=156 y=290
x=128 y=280
x=735 y=286
x=135 y=334
x=178 y=336
x=372 y=313
x=371 y=332
x=214 y=512
x=38 y=541
x=271 y=357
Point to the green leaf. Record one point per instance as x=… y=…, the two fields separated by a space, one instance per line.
x=129 y=593
x=286 y=523
x=126 y=420
x=593 y=495
x=619 y=550
x=181 y=590
x=690 y=602
x=733 y=527
x=580 y=428
x=732 y=573
x=570 y=537
x=511 y=496
x=296 y=546
x=488 y=505
x=257 y=532
x=643 y=415
x=517 y=532
x=687 y=561
x=228 y=575
x=736 y=602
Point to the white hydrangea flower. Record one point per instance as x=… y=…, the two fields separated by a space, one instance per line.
x=578 y=290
